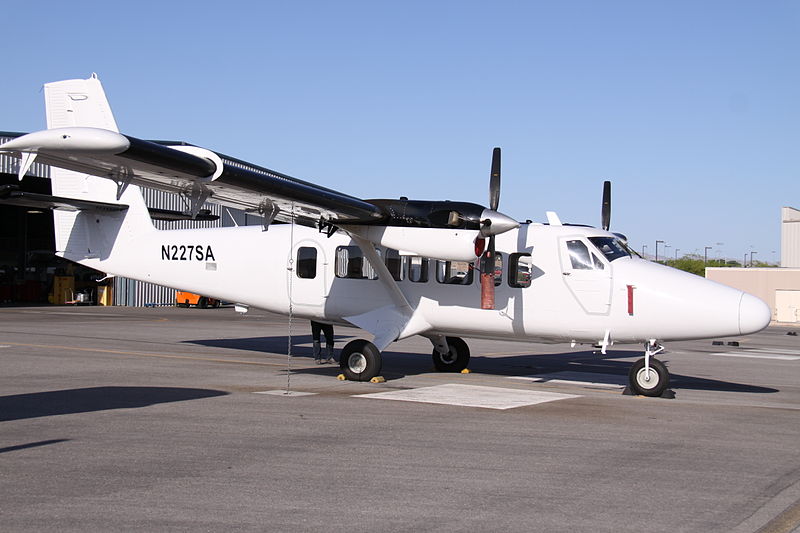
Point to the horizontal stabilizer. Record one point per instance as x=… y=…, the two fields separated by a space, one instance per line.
x=11 y=195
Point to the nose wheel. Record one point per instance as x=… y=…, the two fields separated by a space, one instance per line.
x=649 y=376
x=649 y=382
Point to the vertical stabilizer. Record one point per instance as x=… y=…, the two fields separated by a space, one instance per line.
x=80 y=235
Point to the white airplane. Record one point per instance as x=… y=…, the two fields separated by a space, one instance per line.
x=394 y=268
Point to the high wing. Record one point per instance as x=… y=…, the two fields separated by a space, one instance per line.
x=83 y=137
x=195 y=173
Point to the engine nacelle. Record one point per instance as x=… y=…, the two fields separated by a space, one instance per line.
x=436 y=243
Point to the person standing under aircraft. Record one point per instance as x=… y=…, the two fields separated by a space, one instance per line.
x=327 y=329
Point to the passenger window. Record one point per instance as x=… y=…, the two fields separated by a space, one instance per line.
x=520 y=267
x=306 y=262
x=418 y=269
x=351 y=263
x=454 y=272
x=394 y=262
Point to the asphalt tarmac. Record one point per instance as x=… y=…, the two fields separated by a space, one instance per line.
x=167 y=419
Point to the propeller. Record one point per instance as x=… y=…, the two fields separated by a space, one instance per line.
x=488 y=259
x=605 y=213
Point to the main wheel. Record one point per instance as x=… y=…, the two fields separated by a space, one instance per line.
x=653 y=385
x=455 y=360
x=360 y=360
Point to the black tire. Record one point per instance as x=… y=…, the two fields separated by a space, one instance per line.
x=184 y=304
x=458 y=358
x=202 y=303
x=659 y=378
x=360 y=360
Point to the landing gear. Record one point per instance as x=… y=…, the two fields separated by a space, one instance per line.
x=360 y=360
x=648 y=376
x=455 y=359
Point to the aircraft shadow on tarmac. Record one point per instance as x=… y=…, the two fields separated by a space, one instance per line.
x=400 y=364
x=65 y=402
x=269 y=344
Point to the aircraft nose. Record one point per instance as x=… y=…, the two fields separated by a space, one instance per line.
x=754 y=314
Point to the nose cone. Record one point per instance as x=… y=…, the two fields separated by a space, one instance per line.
x=754 y=314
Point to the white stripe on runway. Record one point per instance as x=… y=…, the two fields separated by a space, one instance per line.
x=470 y=396
x=585 y=379
x=752 y=355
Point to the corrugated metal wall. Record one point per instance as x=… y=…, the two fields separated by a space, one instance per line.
x=10 y=165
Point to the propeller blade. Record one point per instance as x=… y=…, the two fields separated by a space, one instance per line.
x=605 y=214
x=494 y=181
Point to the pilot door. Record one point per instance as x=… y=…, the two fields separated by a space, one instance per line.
x=306 y=271
x=587 y=276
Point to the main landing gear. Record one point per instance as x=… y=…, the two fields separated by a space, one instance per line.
x=360 y=360
x=450 y=354
x=649 y=376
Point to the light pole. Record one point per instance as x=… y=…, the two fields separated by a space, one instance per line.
x=705 y=254
x=751 y=258
x=662 y=242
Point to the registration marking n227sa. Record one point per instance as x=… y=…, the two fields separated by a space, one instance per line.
x=186 y=252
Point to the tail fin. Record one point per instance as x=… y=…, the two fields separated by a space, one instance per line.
x=83 y=103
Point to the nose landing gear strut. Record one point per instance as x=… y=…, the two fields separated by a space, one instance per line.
x=649 y=376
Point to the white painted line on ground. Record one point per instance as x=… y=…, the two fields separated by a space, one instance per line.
x=4 y=346
x=775 y=351
x=578 y=378
x=759 y=356
x=283 y=392
x=470 y=396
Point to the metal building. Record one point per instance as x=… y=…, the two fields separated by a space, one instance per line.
x=790 y=237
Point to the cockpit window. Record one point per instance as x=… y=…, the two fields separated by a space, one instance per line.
x=581 y=258
x=612 y=248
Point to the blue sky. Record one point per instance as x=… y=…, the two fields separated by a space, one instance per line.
x=690 y=108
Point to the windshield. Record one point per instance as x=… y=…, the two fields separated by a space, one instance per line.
x=611 y=247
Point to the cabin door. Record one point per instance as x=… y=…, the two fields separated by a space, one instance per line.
x=587 y=276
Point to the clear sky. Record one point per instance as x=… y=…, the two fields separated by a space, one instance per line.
x=691 y=108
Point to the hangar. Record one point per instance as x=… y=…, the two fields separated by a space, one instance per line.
x=31 y=273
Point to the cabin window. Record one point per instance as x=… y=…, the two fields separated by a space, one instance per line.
x=307 y=262
x=394 y=262
x=454 y=272
x=418 y=269
x=581 y=258
x=351 y=264
x=520 y=268
x=498 y=268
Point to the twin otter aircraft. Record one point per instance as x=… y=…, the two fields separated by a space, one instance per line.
x=395 y=268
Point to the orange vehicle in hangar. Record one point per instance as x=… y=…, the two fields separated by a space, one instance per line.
x=188 y=299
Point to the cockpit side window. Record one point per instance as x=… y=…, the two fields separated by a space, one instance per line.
x=581 y=258
x=579 y=255
x=612 y=248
